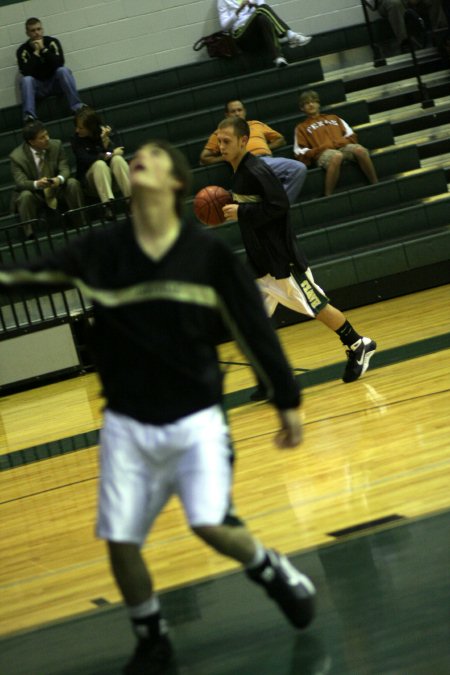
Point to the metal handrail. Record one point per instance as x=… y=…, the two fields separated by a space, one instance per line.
x=378 y=57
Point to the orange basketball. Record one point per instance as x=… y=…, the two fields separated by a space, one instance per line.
x=208 y=204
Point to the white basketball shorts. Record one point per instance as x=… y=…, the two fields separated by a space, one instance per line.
x=299 y=292
x=143 y=465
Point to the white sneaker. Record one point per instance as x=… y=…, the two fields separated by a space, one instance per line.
x=358 y=358
x=299 y=40
x=280 y=62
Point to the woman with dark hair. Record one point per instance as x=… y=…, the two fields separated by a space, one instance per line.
x=98 y=159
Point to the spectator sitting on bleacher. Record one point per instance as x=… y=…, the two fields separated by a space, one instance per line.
x=327 y=141
x=262 y=141
x=394 y=12
x=41 y=175
x=98 y=159
x=254 y=25
x=41 y=62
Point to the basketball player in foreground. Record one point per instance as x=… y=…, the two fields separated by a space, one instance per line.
x=281 y=270
x=162 y=292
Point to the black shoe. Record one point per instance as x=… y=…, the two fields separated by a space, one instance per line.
x=82 y=106
x=293 y=591
x=29 y=118
x=358 y=358
x=151 y=657
x=108 y=213
x=260 y=394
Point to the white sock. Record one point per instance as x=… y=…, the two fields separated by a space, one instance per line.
x=146 y=608
x=259 y=557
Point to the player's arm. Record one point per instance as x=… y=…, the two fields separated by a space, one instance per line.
x=273 y=138
x=208 y=157
x=244 y=314
x=28 y=62
x=211 y=152
x=305 y=148
x=53 y=53
x=20 y=178
x=63 y=269
x=274 y=202
x=348 y=135
x=291 y=432
x=62 y=164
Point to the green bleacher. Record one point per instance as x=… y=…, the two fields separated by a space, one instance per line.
x=365 y=242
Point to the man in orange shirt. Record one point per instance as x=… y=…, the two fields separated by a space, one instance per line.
x=263 y=139
x=327 y=141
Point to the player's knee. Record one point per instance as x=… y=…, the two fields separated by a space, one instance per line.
x=100 y=166
x=301 y=170
x=360 y=151
x=335 y=161
x=73 y=185
x=28 y=81
x=25 y=198
x=389 y=5
x=62 y=73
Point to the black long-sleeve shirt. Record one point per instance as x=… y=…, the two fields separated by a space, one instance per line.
x=88 y=150
x=263 y=217
x=43 y=65
x=157 y=323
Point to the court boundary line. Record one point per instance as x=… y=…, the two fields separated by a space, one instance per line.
x=401 y=353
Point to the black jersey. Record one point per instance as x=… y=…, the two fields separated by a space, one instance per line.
x=263 y=218
x=157 y=323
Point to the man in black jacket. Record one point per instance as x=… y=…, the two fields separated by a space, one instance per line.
x=41 y=63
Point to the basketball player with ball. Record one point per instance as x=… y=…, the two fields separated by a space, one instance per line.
x=282 y=272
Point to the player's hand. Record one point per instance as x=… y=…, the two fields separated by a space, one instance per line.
x=118 y=151
x=54 y=182
x=43 y=183
x=38 y=46
x=230 y=211
x=105 y=132
x=291 y=433
x=242 y=5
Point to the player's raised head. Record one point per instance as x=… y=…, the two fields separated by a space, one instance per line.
x=159 y=167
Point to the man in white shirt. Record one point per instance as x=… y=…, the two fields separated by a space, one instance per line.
x=254 y=25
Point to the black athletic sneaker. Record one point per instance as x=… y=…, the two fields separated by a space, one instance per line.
x=259 y=394
x=358 y=357
x=151 y=657
x=293 y=591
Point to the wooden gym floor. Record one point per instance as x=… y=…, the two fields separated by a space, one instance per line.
x=362 y=505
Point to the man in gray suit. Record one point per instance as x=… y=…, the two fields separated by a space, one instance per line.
x=41 y=175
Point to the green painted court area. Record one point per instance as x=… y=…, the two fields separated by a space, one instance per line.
x=383 y=609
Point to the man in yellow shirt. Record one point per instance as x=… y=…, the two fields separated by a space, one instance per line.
x=263 y=139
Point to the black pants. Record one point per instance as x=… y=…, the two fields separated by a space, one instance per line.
x=262 y=31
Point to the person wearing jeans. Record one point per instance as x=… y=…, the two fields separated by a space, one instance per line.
x=41 y=63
